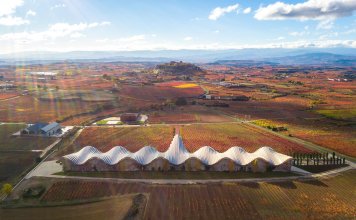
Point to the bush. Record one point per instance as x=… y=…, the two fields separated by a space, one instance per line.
x=7 y=188
x=33 y=192
x=181 y=101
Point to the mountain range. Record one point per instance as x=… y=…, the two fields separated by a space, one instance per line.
x=277 y=56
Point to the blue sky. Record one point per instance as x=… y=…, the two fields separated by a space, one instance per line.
x=67 y=25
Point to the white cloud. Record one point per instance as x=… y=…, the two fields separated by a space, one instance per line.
x=280 y=38
x=298 y=34
x=326 y=24
x=188 y=38
x=58 y=6
x=54 y=31
x=77 y=35
x=13 y=21
x=309 y=10
x=246 y=10
x=134 y=38
x=7 y=9
x=218 y=12
x=30 y=13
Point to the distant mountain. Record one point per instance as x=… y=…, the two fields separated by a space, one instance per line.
x=244 y=63
x=275 y=55
x=316 y=59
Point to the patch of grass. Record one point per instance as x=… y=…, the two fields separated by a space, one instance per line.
x=102 y=122
x=177 y=175
x=342 y=114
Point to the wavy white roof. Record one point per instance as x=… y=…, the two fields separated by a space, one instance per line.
x=177 y=154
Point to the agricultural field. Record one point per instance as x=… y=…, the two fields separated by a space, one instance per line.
x=223 y=136
x=219 y=136
x=68 y=95
x=30 y=109
x=309 y=199
x=187 y=114
x=4 y=96
x=13 y=143
x=17 y=154
x=109 y=208
x=159 y=92
x=339 y=139
x=132 y=138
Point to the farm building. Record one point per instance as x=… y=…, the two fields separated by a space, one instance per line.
x=43 y=129
x=176 y=157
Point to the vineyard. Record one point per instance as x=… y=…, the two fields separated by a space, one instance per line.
x=219 y=136
x=104 y=138
x=16 y=153
x=159 y=93
x=30 y=109
x=8 y=95
x=223 y=136
x=314 y=199
x=339 y=139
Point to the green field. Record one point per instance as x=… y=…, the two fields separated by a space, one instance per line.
x=343 y=114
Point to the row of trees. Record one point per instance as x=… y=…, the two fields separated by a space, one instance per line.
x=317 y=159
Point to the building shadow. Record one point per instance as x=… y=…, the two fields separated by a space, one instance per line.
x=284 y=184
x=253 y=185
x=314 y=182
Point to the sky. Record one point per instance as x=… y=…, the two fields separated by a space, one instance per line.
x=120 y=25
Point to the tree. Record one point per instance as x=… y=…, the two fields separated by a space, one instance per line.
x=7 y=188
x=181 y=101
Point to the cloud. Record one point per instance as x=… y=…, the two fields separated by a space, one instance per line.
x=188 y=38
x=54 y=31
x=326 y=24
x=280 y=38
x=77 y=35
x=246 y=10
x=309 y=10
x=13 y=21
x=298 y=34
x=30 y=13
x=7 y=9
x=132 y=38
x=58 y=6
x=216 y=13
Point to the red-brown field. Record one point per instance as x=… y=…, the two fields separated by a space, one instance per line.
x=219 y=136
x=158 y=93
x=30 y=109
x=314 y=199
x=105 y=138
x=223 y=136
x=8 y=95
x=187 y=114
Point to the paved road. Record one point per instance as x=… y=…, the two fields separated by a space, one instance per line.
x=205 y=181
